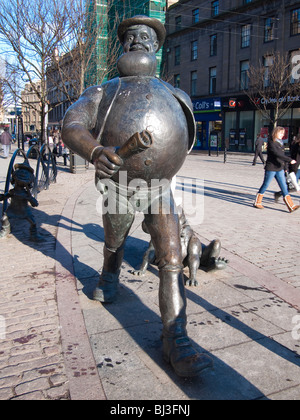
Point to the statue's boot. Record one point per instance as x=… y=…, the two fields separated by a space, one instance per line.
x=107 y=288
x=6 y=229
x=210 y=253
x=177 y=347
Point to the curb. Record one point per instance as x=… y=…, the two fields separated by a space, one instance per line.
x=81 y=369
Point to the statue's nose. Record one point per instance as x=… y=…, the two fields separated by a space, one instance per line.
x=136 y=40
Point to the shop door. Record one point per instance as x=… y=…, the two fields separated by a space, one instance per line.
x=201 y=142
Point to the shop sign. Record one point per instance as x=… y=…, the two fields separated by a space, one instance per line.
x=213 y=140
x=207 y=105
x=284 y=99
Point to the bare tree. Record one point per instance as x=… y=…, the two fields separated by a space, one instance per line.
x=271 y=86
x=30 y=30
x=88 y=55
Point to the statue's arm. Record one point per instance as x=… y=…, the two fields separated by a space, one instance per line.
x=79 y=121
x=33 y=201
x=78 y=125
x=5 y=196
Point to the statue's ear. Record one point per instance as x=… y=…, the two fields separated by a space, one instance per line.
x=156 y=45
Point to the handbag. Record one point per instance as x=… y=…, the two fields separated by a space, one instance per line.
x=291 y=181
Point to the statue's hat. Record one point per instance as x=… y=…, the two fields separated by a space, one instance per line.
x=143 y=20
x=24 y=165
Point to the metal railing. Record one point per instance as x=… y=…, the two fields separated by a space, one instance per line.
x=45 y=171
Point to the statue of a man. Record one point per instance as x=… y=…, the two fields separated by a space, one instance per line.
x=137 y=104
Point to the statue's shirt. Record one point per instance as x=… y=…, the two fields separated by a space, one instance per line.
x=133 y=104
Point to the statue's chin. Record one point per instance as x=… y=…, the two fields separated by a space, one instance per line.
x=137 y=63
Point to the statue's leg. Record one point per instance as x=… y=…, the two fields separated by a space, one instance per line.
x=210 y=256
x=116 y=228
x=177 y=347
x=6 y=229
x=193 y=260
x=210 y=253
x=148 y=258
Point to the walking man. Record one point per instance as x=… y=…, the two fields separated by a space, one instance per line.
x=258 y=149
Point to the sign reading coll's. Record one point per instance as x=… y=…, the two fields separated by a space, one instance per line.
x=207 y=105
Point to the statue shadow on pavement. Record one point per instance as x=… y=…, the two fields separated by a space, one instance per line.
x=224 y=382
x=131 y=311
x=221 y=383
x=242 y=195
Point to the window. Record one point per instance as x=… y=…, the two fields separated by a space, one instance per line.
x=246 y=32
x=177 y=80
x=295 y=22
x=244 y=78
x=269 y=29
x=215 y=8
x=196 y=16
x=194 y=50
x=177 y=55
x=268 y=62
x=193 y=83
x=212 y=80
x=213 y=45
x=177 y=23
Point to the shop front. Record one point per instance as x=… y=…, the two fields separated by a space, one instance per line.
x=243 y=121
x=208 y=117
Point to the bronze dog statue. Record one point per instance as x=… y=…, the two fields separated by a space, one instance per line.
x=195 y=254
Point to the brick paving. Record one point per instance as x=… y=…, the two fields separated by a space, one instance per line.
x=31 y=360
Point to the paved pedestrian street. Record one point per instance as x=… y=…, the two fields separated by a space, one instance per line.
x=57 y=343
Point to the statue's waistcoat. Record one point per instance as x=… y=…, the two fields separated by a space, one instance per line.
x=133 y=104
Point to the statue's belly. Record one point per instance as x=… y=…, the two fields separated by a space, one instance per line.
x=145 y=104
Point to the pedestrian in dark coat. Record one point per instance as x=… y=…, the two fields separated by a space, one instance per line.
x=295 y=154
x=258 y=149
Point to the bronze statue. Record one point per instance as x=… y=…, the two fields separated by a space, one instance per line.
x=22 y=180
x=195 y=254
x=139 y=105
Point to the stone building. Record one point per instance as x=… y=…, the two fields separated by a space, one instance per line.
x=31 y=110
x=210 y=46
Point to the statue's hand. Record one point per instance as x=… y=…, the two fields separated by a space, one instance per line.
x=34 y=202
x=106 y=162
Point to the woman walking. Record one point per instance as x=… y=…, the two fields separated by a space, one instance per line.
x=274 y=168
